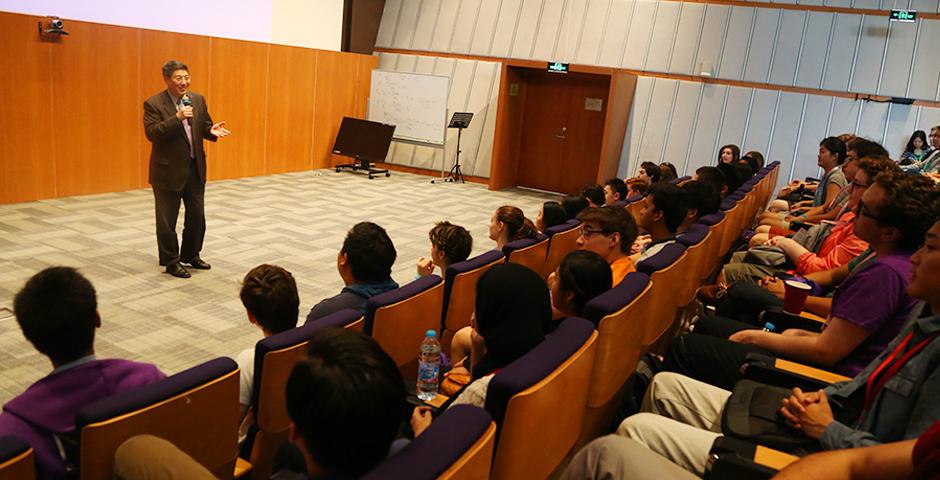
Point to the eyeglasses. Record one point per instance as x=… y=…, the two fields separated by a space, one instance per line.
x=180 y=78
x=863 y=211
x=587 y=232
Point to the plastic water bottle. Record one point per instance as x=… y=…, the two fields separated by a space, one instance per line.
x=769 y=327
x=429 y=366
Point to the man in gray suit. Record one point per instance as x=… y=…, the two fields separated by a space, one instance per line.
x=176 y=121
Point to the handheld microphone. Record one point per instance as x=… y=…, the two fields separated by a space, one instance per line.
x=187 y=103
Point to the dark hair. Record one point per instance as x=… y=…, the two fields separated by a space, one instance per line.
x=917 y=134
x=618 y=186
x=754 y=159
x=269 y=293
x=667 y=172
x=58 y=311
x=586 y=274
x=670 y=200
x=613 y=220
x=864 y=147
x=454 y=240
x=652 y=171
x=712 y=176
x=173 y=65
x=346 y=400
x=517 y=225
x=370 y=252
x=553 y=214
x=573 y=205
x=907 y=206
x=593 y=193
x=836 y=146
x=735 y=153
x=638 y=185
x=873 y=166
x=701 y=197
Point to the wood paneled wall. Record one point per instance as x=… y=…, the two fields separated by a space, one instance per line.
x=71 y=121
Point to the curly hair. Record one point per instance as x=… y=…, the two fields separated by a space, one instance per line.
x=907 y=206
x=454 y=240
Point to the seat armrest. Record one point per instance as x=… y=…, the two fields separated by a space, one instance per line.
x=741 y=460
x=783 y=321
x=785 y=374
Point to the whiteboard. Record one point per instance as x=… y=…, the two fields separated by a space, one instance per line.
x=415 y=103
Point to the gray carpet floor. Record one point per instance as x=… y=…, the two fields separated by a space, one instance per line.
x=297 y=221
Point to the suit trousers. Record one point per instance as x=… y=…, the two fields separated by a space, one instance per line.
x=167 y=203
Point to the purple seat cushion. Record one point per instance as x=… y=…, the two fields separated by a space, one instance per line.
x=564 y=227
x=728 y=203
x=464 y=267
x=295 y=336
x=394 y=296
x=694 y=235
x=521 y=243
x=145 y=395
x=434 y=451
x=619 y=203
x=711 y=219
x=616 y=298
x=11 y=446
x=635 y=198
x=664 y=258
x=534 y=366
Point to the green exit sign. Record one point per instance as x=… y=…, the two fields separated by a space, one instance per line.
x=556 y=67
x=906 y=16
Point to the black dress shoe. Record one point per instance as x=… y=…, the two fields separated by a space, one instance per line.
x=177 y=270
x=198 y=264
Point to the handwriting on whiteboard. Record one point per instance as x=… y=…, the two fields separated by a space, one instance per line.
x=415 y=103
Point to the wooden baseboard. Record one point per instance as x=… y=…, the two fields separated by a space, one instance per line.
x=431 y=173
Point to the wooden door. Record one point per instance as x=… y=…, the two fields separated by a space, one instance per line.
x=562 y=131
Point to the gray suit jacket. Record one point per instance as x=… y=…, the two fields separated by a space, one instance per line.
x=169 y=153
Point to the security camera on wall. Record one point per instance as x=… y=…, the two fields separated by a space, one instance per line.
x=53 y=27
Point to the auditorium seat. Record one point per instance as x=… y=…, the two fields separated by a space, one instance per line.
x=538 y=402
x=17 y=461
x=457 y=446
x=528 y=252
x=696 y=240
x=460 y=293
x=275 y=357
x=398 y=320
x=635 y=206
x=716 y=223
x=196 y=410
x=667 y=270
x=562 y=240
x=619 y=315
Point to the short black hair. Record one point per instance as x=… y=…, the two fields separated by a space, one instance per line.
x=864 y=147
x=907 y=206
x=754 y=159
x=618 y=186
x=269 y=293
x=346 y=399
x=670 y=200
x=700 y=196
x=652 y=171
x=586 y=274
x=668 y=172
x=712 y=176
x=553 y=214
x=370 y=252
x=173 y=65
x=454 y=240
x=836 y=146
x=57 y=310
x=573 y=205
x=593 y=193
x=613 y=220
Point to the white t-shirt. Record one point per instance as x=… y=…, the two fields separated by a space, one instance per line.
x=246 y=364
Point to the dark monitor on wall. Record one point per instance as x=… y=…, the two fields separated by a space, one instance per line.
x=363 y=140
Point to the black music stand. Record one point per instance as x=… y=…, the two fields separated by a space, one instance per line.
x=460 y=121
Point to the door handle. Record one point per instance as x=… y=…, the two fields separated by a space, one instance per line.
x=564 y=133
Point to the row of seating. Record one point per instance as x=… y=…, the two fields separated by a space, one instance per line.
x=580 y=369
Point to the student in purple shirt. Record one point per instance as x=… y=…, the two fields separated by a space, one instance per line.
x=869 y=307
x=57 y=311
